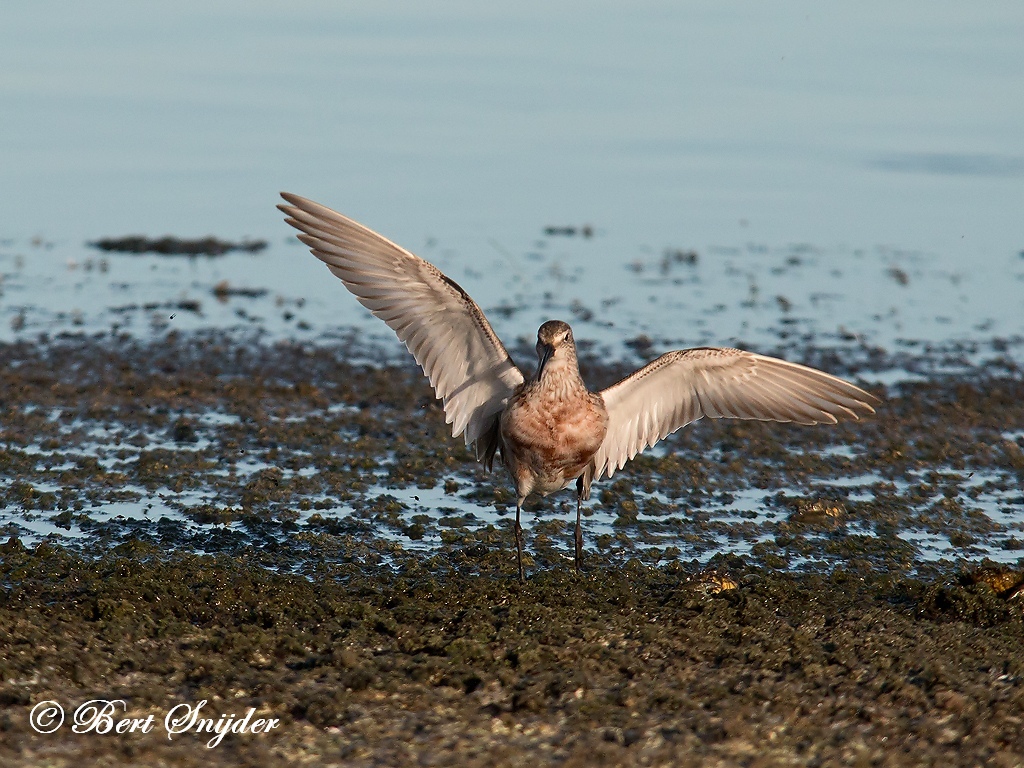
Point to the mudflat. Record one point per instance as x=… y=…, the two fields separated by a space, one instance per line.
x=256 y=526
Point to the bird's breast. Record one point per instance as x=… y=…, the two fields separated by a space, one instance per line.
x=552 y=435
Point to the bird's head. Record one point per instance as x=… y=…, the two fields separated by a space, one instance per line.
x=555 y=347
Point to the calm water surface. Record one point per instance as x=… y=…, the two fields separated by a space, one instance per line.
x=805 y=153
x=682 y=124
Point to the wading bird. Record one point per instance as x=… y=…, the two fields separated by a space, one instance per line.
x=550 y=430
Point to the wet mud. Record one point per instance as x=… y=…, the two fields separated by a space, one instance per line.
x=273 y=526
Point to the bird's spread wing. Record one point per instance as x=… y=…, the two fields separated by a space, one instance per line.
x=445 y=330
x=683 y=386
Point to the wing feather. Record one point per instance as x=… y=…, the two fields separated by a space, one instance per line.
x=683 y=386
x=448 y=334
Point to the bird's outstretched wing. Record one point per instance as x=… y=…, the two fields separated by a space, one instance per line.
x=468 y=366
x=686 y=385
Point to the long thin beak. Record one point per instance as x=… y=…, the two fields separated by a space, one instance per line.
x=545 y=354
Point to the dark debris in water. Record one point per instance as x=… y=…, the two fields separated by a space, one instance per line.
x=177 y=246
x=585 y=231
x=224 y=290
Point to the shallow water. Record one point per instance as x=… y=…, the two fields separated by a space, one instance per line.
x=854 y=174
x=288 y=454
x=666 y=124
x=643 y=301
x=893 y=318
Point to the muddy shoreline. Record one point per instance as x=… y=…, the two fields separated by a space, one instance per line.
x=281 y=547
x=624 y=665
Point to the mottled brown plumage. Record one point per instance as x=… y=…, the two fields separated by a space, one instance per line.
x=551 y=431
x=552 y=428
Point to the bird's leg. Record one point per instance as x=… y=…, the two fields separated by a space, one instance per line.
x=518 y=531
x=579 y=528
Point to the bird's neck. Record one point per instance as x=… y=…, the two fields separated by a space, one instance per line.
x=561 y=377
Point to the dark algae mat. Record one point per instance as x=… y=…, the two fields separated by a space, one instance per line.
x=626 y=665
x=240 y=553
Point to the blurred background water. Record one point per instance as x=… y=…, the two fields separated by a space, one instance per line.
x=856 y=166
x=658 y=122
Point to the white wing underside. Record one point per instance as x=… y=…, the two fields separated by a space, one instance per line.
x=681 y=387
x=468 y=366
